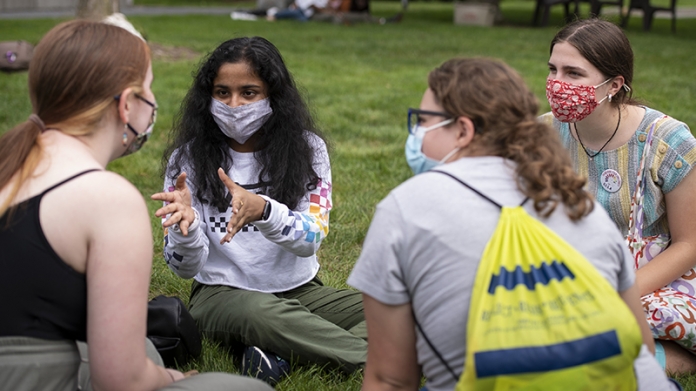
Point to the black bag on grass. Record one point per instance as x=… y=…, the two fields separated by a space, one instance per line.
x=172 y=330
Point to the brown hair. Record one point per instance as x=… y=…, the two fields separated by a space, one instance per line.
x=606 y=47
x=504 y=111
x=77 y=69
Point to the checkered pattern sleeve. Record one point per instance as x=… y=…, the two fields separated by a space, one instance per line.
x=301 y=231
x=185 y=255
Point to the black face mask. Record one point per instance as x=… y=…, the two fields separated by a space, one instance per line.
x=140 y=138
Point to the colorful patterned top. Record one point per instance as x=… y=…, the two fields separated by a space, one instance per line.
x=270 y=256
x=612 y=174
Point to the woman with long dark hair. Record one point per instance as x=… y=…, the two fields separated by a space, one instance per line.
x=248 y=187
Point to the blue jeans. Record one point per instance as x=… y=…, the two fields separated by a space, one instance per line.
x=296 y=14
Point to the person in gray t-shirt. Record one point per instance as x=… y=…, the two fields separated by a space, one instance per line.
x=423 y=247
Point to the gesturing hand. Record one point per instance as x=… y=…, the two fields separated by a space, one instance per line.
x=179 y=207
x=246 y=207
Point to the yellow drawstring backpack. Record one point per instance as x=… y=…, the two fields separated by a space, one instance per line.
x=542 y=317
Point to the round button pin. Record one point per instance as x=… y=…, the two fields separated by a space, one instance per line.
x=611 y=180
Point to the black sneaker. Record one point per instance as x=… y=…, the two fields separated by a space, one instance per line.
x=264 y=366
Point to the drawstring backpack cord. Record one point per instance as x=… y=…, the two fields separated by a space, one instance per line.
x=420 y=329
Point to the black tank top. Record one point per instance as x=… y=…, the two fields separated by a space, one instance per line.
x=42 y=296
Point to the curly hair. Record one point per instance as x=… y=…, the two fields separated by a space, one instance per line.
x=504 y=112
x=283 y=150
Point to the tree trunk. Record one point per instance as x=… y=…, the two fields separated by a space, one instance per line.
x=96 y=9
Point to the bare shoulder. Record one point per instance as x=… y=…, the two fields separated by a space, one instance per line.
x=107 y=182
x=81 y=217
x=103 y=191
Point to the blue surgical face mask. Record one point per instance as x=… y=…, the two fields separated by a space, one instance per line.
x=415 y=157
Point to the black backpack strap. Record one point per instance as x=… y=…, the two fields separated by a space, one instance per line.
x=420 y=329
x=474 y=190
x=432 y=347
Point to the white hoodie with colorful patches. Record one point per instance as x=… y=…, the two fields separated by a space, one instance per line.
x=275 y=255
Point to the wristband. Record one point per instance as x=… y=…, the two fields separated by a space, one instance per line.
x=266 y=211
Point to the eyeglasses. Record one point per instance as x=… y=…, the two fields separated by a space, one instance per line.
x=153 y=117
x=414 y=117
x=414 y=120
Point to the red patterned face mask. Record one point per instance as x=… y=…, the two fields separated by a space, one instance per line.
x=571 y=102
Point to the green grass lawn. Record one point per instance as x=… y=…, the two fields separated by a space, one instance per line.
x=359 y=81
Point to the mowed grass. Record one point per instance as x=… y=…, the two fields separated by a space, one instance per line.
x=359 y=80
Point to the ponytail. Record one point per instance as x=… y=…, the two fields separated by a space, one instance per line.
x=20 y=152
x=544 y=171
x=76 y=70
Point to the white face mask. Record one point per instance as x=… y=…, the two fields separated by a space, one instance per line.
x=241 y=122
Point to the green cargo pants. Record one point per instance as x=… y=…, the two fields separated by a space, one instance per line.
x=309 y=324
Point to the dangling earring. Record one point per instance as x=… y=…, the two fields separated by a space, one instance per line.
x=125 y=135
x=609 y=98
